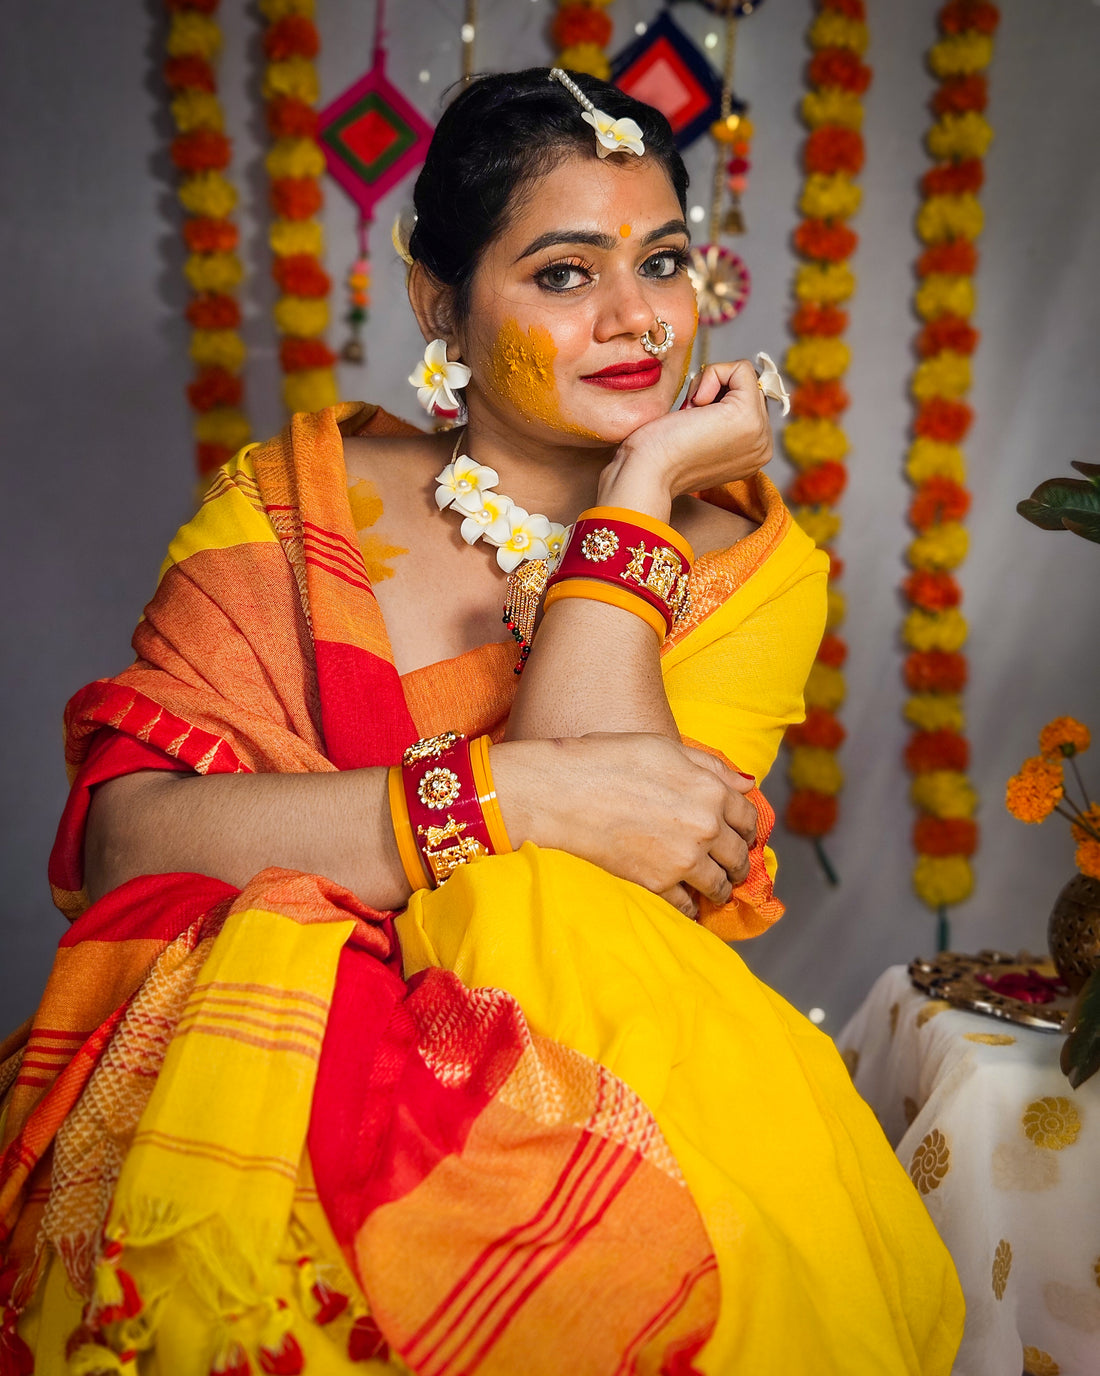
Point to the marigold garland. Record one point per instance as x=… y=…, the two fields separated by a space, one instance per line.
x=581 y=31
x=817 y=360
x=295 y=165
x=201 y=152
x=950 y=219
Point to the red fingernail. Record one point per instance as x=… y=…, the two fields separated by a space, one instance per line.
x=751 y=777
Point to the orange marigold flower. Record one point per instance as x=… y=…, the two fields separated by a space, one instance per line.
x=1064 y=736
x=214 y=311
x=941 y=419
x=821 y=729
x=820 y=399
x=189 y=73
x=937 y=500
x=290 y=118
x=947 y=332
x=832 y=651
x=1088 y=857
x=935 y=671
x=832 y=148
x=945 y=836
x=575 y=24
x=836 y=566
x=839 y=67
x=812 y=318
x=954 y=179
x=300 y=274
x=851 y=9
x=209 y=456
x=292 y=36
x=1091 y=815
x=809 y=813
x=964 y=16
x=1034 y=793
x=822 y=484
x=828 y=242
x=296 y=198
x=929 y=750
x=295 y=355
x=202 y=150
x=960 y=94
x=214 y=387
x=204 y=235
x=933 y=589
x=956 y=256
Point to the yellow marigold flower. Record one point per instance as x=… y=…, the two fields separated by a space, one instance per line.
x=829 y=196
x=944 y=630
x=295 y=158
x=207 y=194
x=283 y=9
x=217 y=349
x=961 y=53
x=935 y=712
x=193 y=110
x=816 y=769
x=940 y=880
x=222 y=425
x=1088 y=857
x=935 y=459
x=312 y=389
x=808 y=441
x=836 y=609
x=296 y=236
x=825 y=687
x=824 y=282
x=950 y=217
x=1034 y=793
x=960 y=136
x=820 y=523
x=818 y=358
x=833 y=30
x=942 y=547
x=221 y=272
x=589 y=58
x=943 y=293
x=301 y=315
x=295 y=77
x=1064 y=736
x=191 y=32
x=832 y=106
x=1091 y=815
x=943 y=793
x=945 y=374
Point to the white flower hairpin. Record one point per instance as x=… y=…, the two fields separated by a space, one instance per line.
x=612 y=135
x=771 y=383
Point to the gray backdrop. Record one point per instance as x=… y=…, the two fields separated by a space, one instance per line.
x=98 y=467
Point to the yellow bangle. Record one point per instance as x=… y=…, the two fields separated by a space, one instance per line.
x=611 y=596
x=658 y=529
x=407 y=848
x=487 y=795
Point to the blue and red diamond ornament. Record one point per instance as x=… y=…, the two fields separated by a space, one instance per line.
x=664 y=68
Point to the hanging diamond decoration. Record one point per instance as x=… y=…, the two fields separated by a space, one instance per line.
x=665 y=69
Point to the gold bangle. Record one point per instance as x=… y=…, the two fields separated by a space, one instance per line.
x=402 y=829
x=611 y=596
x=658 y=529
x=487 y=796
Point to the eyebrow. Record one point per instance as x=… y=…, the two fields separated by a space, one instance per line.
x=597 y=240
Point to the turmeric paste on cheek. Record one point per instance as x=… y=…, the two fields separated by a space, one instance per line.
x=522 y=367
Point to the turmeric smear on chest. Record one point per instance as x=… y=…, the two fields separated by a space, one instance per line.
x=522 y=367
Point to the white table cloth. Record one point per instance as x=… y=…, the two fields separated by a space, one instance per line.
x=1007 y=1158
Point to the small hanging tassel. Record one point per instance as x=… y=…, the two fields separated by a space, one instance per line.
x=319 y=1301
x=365 y=1341
x=526 y=586
x=16 y=1358
x=115 y=1293
x=232 y=1360
x=279 y=1352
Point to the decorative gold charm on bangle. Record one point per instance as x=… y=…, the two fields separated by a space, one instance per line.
x=430 y=747
x=438 y=788
x=664 y=569
x=445 y=848
x=599 y=545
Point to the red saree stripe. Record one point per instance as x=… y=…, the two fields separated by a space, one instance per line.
x=360 y=583
x=332 y=537
x=326 y=557
x=667 y=1311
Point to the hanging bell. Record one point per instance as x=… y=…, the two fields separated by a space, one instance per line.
x=353 y=351
x=733 y=222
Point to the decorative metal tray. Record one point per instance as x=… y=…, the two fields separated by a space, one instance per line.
x=1022 y=988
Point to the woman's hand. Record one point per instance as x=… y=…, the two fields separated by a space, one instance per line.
x=641 y=806
x=719 y=435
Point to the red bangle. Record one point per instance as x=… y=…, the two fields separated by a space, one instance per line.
x=445 y=813
x=632 y=553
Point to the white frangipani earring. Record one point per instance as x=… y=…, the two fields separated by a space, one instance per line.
x=436 y=380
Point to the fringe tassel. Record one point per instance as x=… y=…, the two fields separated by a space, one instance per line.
x=319 y=1301
x=279 y=1352
x=365 y=1341
x=16 y=1358
x=232 y=1360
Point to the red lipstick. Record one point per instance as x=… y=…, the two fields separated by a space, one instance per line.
x=627 y=377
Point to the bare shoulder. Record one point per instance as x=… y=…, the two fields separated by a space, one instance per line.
x=707 y=527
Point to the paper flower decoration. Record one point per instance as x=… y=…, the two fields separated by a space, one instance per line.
x=721 y=282
x=435 y=380
x=614 y=135
x=494 y=505
x=519 y=536
x=463 y=484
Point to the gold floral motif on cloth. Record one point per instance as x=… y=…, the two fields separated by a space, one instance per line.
x=1022 y=1166
x=1002 y=1267
x=931 y=1162
x=1052 y=1122
x=930 y=1010
x=1079 y=1309
x=1040 y=1363
x=990 y=1038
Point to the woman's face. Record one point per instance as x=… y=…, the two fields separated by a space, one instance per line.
x=594 y=254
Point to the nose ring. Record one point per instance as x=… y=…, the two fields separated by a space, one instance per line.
x=650 y=345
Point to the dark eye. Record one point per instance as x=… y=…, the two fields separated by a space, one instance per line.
x=665 y=264
x=562 y=277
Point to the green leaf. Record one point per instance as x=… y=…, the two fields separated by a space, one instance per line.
x=1088 y=527
x=1081 y=1052
x=1059 y=501
x=1090 y=470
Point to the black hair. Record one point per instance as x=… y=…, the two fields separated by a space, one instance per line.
x=499 y=135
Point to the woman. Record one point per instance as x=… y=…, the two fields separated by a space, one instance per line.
x=285 y=1105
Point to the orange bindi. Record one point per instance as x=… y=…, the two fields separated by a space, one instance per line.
x=624 y=231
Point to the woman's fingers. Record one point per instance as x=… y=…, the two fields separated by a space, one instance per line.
x=730 y=854
x=680 y=898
